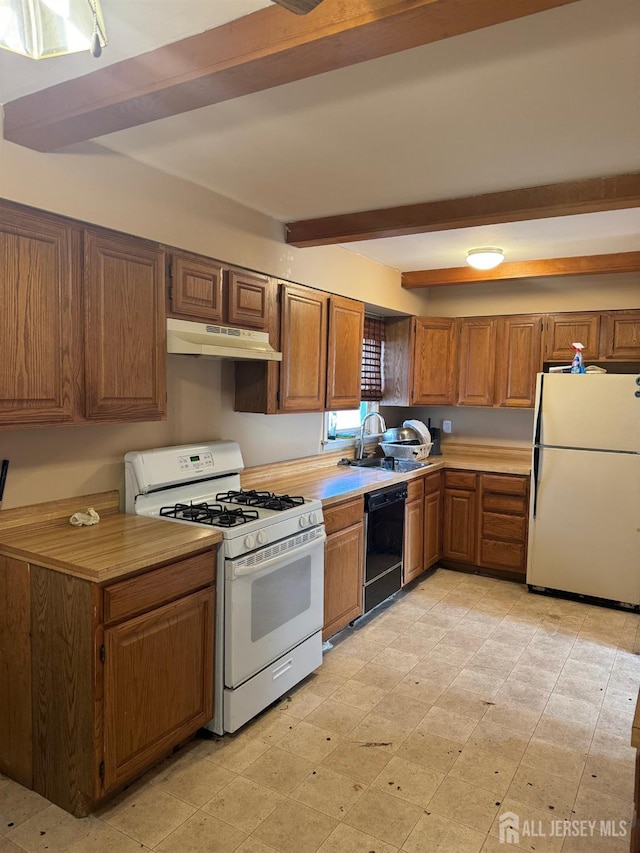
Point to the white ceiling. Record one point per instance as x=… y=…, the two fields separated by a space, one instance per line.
x=547 y=98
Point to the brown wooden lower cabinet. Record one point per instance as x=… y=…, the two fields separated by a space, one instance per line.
x=108 y=693
x=343 y=565
x=432 y=519
x=485 y=521
x=413 y=556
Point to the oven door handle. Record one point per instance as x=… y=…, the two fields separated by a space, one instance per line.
x=265 y=566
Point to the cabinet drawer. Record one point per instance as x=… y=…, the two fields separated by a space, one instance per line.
x=501 y=555
x=144 y=592
x=415 y=489
x=510 y=528
x=504 y=485
x=505 y=503
x=459 y=480
x=433 y=483
x=343 y=515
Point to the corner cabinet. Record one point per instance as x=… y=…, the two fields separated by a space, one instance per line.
x=460 y=516
x=432 y=519
x=420 y=361
x=125 y=334
x=343 y=565
x=82 y=313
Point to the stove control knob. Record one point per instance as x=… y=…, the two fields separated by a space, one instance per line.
x=262 y=537
x=303 y=521
x=248 y=542
x=313 y=518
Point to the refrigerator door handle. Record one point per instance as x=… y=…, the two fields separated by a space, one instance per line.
x=537 y=453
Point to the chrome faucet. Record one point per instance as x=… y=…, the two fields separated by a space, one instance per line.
x=360 y=444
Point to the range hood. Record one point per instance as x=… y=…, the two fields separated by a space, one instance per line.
x=187 y=338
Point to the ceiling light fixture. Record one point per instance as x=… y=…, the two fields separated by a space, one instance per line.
x=44 y=28
x=485 y=259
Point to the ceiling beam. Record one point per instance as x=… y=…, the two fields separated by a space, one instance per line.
x=593 y=195
x=268 y=48
x=583 y=265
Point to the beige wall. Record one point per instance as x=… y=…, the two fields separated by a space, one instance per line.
x=574 y=293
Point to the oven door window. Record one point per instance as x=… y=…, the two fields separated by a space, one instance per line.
x=271 y=611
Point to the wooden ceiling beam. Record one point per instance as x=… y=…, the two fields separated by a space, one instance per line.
x=593 y=195
x=583 y=265
x=267 y=48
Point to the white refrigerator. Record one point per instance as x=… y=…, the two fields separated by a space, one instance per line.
x=584 y=520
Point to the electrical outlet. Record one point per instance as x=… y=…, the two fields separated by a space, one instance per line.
x=446 y=427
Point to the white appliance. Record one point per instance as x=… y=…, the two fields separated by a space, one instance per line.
x=185 y=337
x=270 y=578
x=584 y=522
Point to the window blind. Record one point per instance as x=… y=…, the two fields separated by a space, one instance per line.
x=372 y=358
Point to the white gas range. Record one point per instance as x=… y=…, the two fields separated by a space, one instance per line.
x=270 y=580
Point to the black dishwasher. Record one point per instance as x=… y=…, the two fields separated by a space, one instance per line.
x=384 y=520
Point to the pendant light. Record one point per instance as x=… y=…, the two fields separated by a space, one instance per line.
x=485 y=259
x=45 y=28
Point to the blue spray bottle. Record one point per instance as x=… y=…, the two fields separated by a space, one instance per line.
x=577 y=365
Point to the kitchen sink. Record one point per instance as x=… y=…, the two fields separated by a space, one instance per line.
x=387 y=463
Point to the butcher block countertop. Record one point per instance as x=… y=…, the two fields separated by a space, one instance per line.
x=321 y=476
x=118 y=545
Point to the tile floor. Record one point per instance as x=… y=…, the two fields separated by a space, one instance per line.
x=465 y=698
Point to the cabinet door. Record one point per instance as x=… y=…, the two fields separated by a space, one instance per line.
x=344 y=353
x=125 y=335
x=413 y=557
x=247 y=299
x=37 y=355
x=303 y=372
x=518 y=360
x=561 y=330
x=460 y=520
x=434 y=368
x=432 y=521
x=196 y=288
x=477 y=361
x=620 y=335
x=158 y=683
x=343 y=578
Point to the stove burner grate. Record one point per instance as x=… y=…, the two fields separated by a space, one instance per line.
x=263 y=500
x=213 y=514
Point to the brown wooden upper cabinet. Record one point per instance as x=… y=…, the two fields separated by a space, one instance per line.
x=344 y=353
x=39 y=318
x=620 y=335
x=205 y=290
x=477 y=361
x=420 y=361
x=303 y=372
x=247 y=295
x=321 y=341
x=195 y=287
x=125 y=336
x=606 y=335
x=82 y=313
x=518 y=360
x=561 y=330
x=434 y=361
